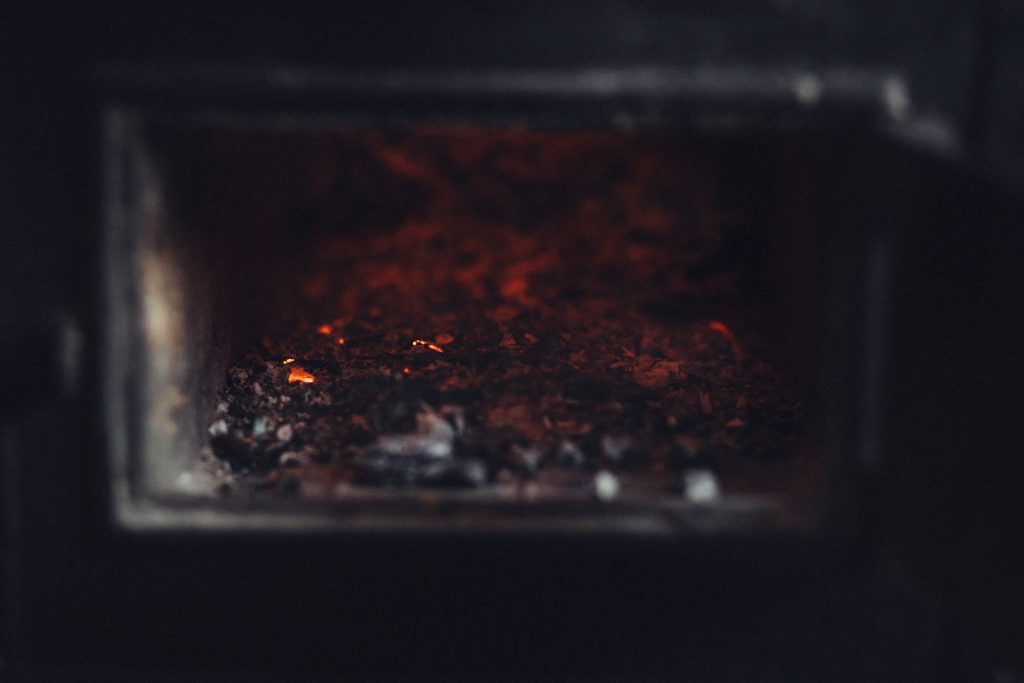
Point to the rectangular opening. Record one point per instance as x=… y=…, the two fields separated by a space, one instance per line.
x=456 y=325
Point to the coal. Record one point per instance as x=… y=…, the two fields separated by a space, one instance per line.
x=556 y=331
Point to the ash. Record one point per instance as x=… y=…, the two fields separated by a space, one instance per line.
x=562 y=311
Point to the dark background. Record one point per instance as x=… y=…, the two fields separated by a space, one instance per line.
x=933 y=588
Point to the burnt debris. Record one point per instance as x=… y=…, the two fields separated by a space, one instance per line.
x=555 y=310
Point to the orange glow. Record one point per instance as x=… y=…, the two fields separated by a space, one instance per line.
x=288 y=361
x=432 y=347
x=341 y=341
x=444 y=338
x=324 y=329
x=514 y=288
x=723 y=329
x=299 y=375
x=406 y=370
x=719 y=326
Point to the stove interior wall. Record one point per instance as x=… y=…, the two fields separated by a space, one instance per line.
x=215 y=255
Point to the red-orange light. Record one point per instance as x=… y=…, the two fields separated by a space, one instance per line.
x=734 y=343
x=425 y=343
x=288 y=361
x=297 y=374
x=324 y=329
x=341 y=341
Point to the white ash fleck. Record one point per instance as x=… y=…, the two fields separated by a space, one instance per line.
x=257 y=389
x=570 y=455
x=218 y=428
x=434 y=438
x=430 y=424
x=475 y=472
x=701 y=486
x=222 y=408
x=606 y=485
x=260 y=427
x=413 y=445
x=285 y=433
x=205 y=479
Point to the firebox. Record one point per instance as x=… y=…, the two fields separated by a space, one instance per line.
x=613 y=301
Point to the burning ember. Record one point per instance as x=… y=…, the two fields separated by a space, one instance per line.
x=425 y=344
x=594 y=307
x=297 y=374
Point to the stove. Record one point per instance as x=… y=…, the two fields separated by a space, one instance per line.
x=483 y=340
x=396 y=300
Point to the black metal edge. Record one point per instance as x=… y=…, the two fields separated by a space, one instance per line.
x=636 y=94
x=132 y=510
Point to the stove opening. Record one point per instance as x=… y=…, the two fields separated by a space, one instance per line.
x=454 y=320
